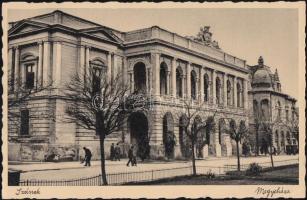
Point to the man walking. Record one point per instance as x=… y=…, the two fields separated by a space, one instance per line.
x=117 y=152
x=88 y=156
x=112 y=152
x=130 y=156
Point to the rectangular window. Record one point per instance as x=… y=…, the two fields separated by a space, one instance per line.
x=30 y=76
x=24 y=122
x=287 y=115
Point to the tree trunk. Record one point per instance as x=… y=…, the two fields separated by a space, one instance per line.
x=257 y=142
x=193 y=159
x=238 y=155
x=102 y=156
x=271 y=153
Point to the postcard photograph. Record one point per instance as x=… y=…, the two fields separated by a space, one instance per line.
x=118 y=100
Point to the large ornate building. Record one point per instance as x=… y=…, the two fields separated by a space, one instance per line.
x=168 y=67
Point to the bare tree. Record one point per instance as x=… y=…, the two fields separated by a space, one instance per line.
x=237 y=134
x=268 y=127
x=100 y=103
x=19 y=93
x=292 y=126
x=195 y=127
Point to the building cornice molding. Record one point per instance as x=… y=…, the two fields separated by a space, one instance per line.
x=185 y=50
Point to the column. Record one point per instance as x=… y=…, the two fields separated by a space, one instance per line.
x=150 y=82
x=46 y=64
x=157 y=74
x=115 y=70
x=245 y=90
x=196 y=88
x=82 y=61
x=225 y=90
x=188 y=80
x=124 y=70
x=39 y=77
x=209 y=87
x=16 y=68
x=174 y=77
x=235 y=92
x=131 y=81
x=87 y=62
x=57 y=62
x=183 y=85
x=201 y=85
x=109 y=68
x=10 y=68
x=213 y=87
x=168 y=81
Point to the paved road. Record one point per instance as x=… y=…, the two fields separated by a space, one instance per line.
x=74 y=170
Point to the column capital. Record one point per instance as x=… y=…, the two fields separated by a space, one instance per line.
x=16 y=47
x=156 y=52
x=40 y=42
x=46 y=42
x=87 y=46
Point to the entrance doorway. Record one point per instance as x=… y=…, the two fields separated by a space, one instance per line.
x=139 y=134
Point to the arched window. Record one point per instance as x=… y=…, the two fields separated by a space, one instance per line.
x=206 y=88
x=276 y=138
x=221 y=129
x=228 y=93
x=139 y=72
x=282 y=139
x=97 y=69
x=29 y=63
x=179 y=75
x=193 y=85
x=288 y=137
x=264 y=113
x=163 y=79
x=218 y=90
x=279 y=110
x=256 y=109
x=239 y=93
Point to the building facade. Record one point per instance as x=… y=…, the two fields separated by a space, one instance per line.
x=47 y=49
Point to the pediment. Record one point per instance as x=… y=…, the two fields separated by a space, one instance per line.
x=104 y=34
x=24 y=27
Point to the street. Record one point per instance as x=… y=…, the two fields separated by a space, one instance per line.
x=74 y=170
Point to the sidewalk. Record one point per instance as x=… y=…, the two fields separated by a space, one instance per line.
x=215 y=161
x=45 y=166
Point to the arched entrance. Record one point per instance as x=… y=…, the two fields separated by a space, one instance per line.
x=168 y=135
x=139 y=134
x=200 y=140
x=139 y=71
x=184 y=140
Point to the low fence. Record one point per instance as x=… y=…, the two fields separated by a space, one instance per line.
x=150 y=175
x=263 y=165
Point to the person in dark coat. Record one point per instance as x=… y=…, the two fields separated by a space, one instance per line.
x=130 y=156
x=117 y=152
x=88 y=156
x=112 y=152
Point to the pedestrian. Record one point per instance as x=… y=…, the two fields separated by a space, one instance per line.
x=130 y=156
x=117 y=152
x=134 y=161
x=112 y=152
x=88 y=156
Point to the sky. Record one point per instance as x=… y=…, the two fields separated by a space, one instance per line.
x=245 y=33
